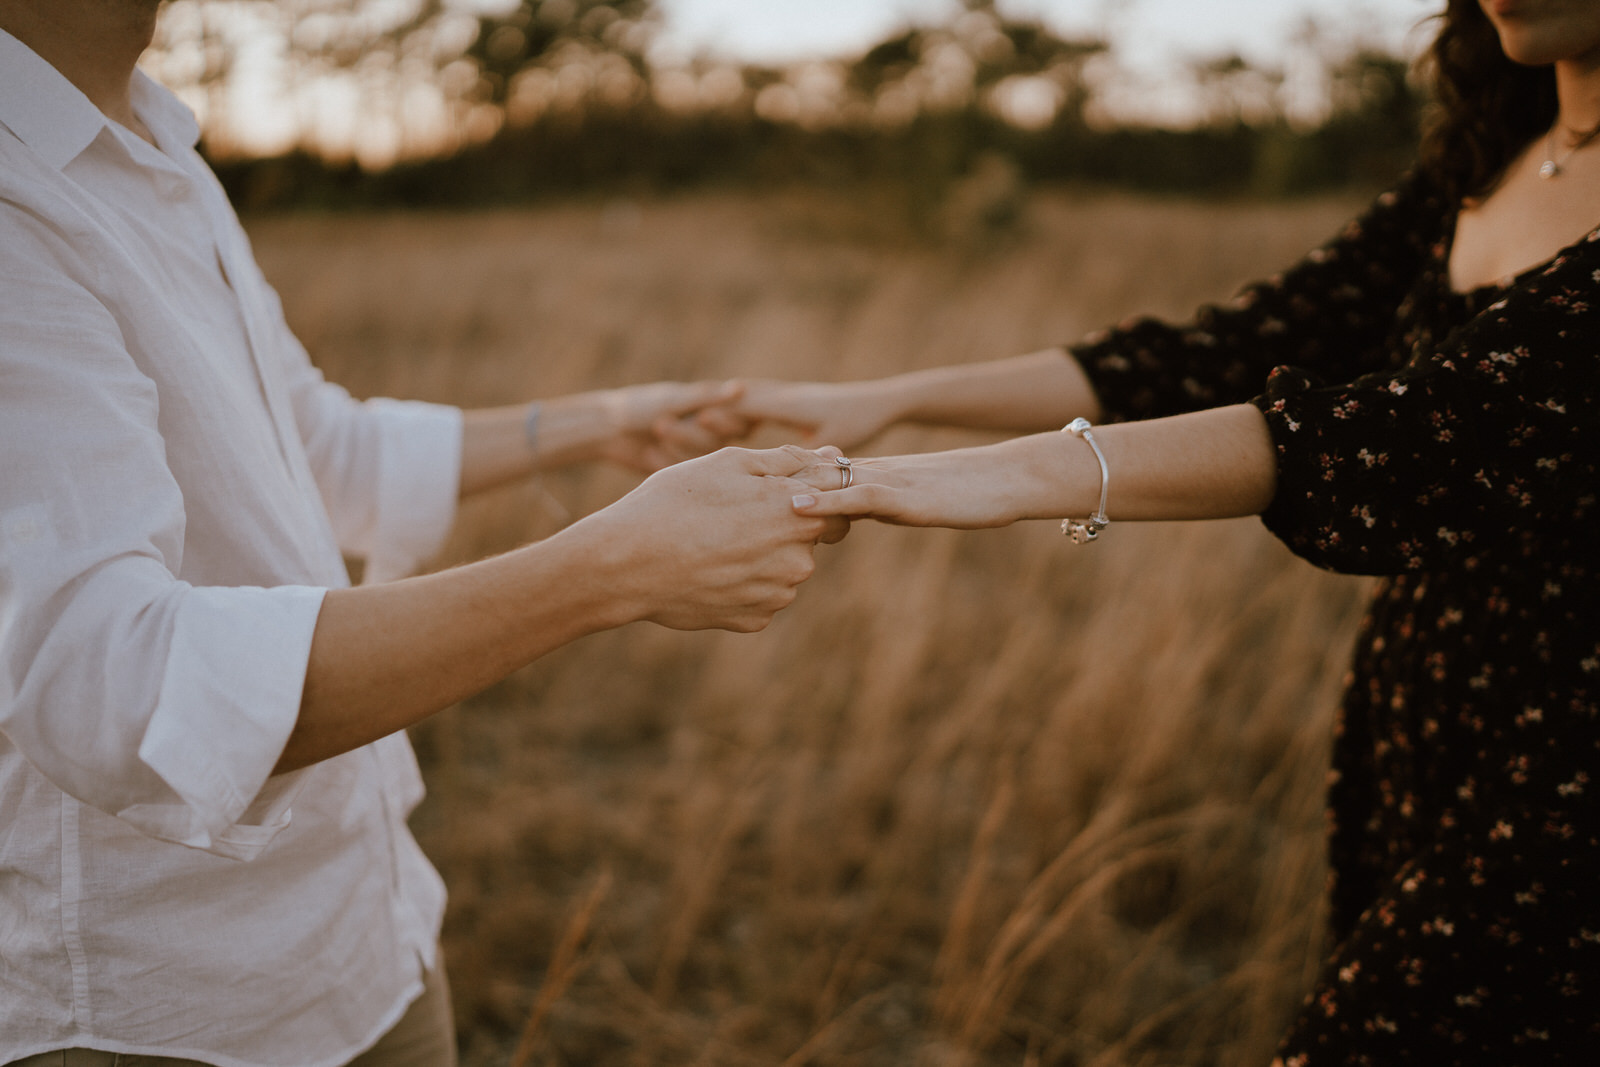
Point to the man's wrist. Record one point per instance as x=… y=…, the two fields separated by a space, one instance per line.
x=600 y=565
x=579 y=427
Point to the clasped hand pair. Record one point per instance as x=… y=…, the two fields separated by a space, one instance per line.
x=966 y=489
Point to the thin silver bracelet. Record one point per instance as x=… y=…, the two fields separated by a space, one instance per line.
x=530 y=427
x=1086 y=530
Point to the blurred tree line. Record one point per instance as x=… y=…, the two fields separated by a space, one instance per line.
x=554 y=97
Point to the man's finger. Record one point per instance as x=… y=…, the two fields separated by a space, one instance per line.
x=653 y=459
x=724 y=422
x=685 y=436
x=834 y=529
x=785 y=461
x=825 y=476
x=699 y=395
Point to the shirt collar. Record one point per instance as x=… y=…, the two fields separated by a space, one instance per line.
x=168 y=118
x=52 y=116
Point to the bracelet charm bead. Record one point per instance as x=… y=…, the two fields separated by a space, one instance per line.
x=1082 y=531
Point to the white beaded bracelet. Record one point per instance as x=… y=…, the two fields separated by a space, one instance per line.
x=1086 y=530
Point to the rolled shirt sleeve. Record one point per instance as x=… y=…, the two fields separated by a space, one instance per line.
x=151 y=698
x=389 y=471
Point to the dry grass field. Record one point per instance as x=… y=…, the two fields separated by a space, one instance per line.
x=977 y=798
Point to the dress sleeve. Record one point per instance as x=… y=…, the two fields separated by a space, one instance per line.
x=1331 y=312
x=1489 y=436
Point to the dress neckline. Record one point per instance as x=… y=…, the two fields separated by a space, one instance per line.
x=1504 y=284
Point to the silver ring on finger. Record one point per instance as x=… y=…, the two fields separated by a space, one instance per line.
x=847 y=473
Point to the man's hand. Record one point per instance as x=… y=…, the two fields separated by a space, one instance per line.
x=845 y=414
x=641 y=427
x=713 y=542
x=662 y=423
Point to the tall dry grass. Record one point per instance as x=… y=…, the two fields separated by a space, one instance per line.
x=977 y=798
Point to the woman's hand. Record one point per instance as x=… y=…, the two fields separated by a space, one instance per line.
x=713 y=542
x=964 y=489
x=1025 y=394
x=845 y=414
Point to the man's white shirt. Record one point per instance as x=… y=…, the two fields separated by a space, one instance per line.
x=178 y=487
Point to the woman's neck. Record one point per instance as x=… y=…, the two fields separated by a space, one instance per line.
x=1578 y=91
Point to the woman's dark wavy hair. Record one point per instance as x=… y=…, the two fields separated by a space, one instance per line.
x=1486 y=108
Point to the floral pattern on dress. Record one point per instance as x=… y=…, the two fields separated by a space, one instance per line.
x=1448 y=442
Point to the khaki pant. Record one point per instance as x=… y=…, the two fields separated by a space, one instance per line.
x=424 y=1037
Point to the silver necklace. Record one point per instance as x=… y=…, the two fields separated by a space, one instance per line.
x=1552 y=167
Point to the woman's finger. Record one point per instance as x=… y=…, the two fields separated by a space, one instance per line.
x=829 y=474
x=857 y=502
x=831 y=529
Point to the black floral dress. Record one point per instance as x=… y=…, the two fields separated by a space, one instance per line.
x=1447 y=442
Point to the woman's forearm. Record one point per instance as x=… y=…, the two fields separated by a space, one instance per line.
x=1214 y=464
x=1019 y=395
x=1023 y=394
x=1210 y=464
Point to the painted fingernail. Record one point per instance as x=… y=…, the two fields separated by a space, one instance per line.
x=804 y=500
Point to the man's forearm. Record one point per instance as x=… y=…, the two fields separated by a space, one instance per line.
x=644 y=427
x=497 y=446
x=713 y=542
x=384 y=657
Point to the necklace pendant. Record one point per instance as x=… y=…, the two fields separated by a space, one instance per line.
x=1549 y=169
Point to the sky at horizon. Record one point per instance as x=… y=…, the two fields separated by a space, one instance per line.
x=1154 y=41
x=1145 y=31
